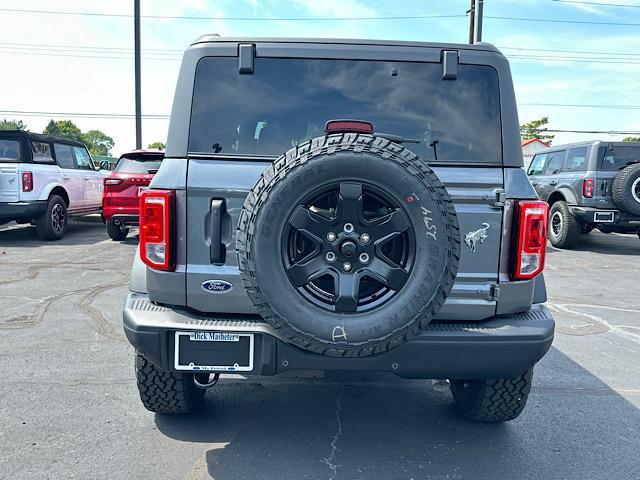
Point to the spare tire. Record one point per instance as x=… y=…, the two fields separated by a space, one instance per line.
x=348 y=245
x=625 y=189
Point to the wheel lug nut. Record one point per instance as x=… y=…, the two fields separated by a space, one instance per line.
x=346 y=266
x=364 y=258
x=331 y=237
x=330 y=256
x=365 y=238
x=348 y=227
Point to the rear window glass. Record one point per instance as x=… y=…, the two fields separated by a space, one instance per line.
x=288 y=101
x=617 y=157
x=576 y=160
x=128 y=165
x=41 y=152
x=9 y=151
x=64 y=155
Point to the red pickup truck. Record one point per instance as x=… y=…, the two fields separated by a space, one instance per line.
x=120 y=199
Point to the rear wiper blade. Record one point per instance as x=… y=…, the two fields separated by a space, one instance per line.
x=397 y=138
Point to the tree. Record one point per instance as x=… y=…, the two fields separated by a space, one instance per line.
x=536 y=129
x=158 y=145
x=97 y=142
x=12 y=125
x=65 y=129
x=631 y=139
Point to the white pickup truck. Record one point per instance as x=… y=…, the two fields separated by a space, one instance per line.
x=44 y=180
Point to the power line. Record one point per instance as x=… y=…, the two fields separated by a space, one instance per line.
x=86 y=56
x=583 y=105
x=550 y=20
x=599 y=60
x=307 y=19
x=81 y=114
x=179 y=52
x=245 y=19
x=609 y=132
x=597 y=3
x=45 y=46
x=570 y=51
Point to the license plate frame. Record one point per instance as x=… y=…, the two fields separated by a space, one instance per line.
x=212 y=337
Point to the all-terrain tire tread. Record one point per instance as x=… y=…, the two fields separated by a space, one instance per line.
x=571 y=231
x=43 y=222
x=497 y=400
x=166 y=392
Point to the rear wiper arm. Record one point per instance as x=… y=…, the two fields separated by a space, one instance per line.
x=397 y=138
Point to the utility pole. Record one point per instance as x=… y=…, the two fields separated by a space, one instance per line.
x=472 y=18
x=480 y=13
x=136 y=35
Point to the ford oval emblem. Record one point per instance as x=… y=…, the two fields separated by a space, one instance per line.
x=217 y=286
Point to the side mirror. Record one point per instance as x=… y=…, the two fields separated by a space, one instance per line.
x=104 y=165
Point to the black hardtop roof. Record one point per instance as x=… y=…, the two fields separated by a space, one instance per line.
x=587 y=143
x=215 y=38
x=21 y=134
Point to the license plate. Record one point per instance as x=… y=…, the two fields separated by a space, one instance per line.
x=213 y=351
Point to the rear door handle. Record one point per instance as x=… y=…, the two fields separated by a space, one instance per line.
x=66 y=178
x=86 y=178
x=217 y=250
x=535 y=184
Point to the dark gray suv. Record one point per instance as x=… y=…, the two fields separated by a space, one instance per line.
x=588 y=185
x=341 y=205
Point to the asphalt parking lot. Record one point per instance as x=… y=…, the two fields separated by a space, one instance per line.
x=69 y=406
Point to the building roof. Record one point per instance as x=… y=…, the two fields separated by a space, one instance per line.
x=531 y=140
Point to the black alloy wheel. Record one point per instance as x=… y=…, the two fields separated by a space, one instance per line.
x=349 y=247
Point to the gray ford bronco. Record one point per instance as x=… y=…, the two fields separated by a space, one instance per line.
x=341 y=205
x=589 y=185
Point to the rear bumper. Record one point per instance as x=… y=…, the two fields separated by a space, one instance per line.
x=22 y=210
x=600 y=216
x=124 y=216
x=502 y=347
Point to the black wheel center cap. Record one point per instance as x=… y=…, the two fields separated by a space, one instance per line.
x=348 y=248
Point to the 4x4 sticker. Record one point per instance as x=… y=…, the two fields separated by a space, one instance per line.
x=472 y=238
x=216 y=286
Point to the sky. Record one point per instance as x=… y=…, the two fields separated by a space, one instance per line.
x=84 y=63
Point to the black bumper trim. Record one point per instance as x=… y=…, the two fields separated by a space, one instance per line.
x=22 y=210
x=501 y=347
x=125 y=219
x=621 y=219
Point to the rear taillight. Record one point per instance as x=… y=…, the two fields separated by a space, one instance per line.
x=531 y=244
x=587 y=188
x=157 y=229
x=113 y=181
x=27 y=181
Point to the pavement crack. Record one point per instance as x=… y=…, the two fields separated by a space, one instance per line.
x=329 y=461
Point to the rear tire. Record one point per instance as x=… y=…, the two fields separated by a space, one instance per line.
x=116 y=232
x=497 y=400
x=166 y=392
x=564 y=229
x=52 y=225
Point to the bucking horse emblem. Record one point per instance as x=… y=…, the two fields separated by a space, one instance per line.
x=472 y=238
